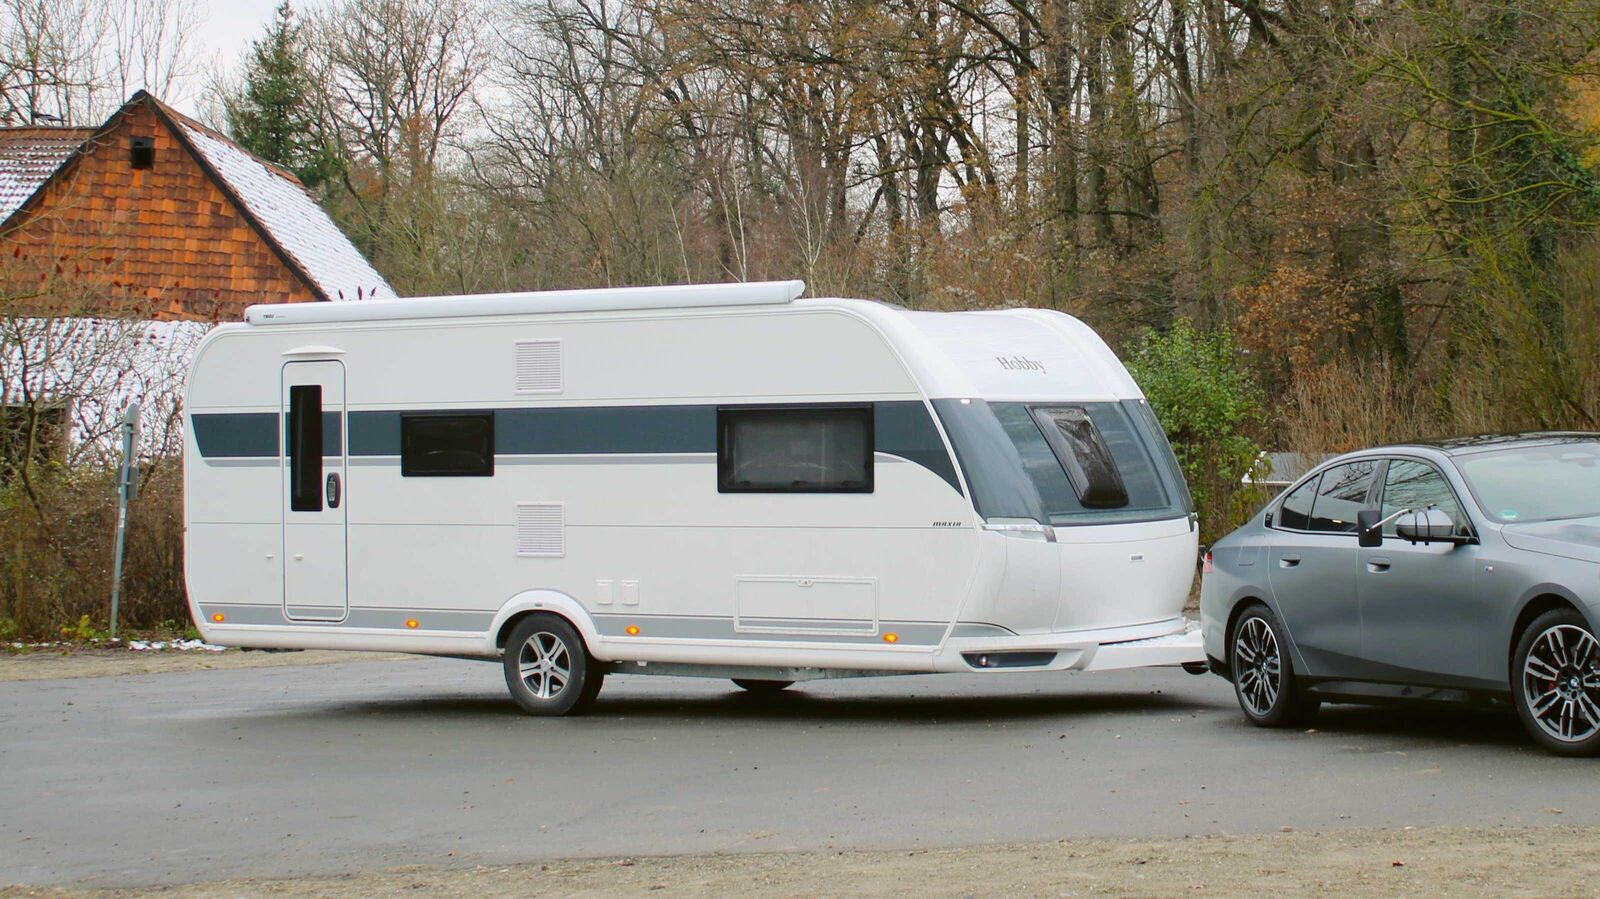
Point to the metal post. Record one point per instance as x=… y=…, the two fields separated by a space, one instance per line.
x=127 y=486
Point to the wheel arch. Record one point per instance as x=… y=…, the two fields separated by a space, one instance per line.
x=1539 y=600
x=1240 y=603
x=554 y=602
x=1245 y=598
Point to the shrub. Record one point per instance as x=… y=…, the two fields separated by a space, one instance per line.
x=1212 y=412
x=56 y=551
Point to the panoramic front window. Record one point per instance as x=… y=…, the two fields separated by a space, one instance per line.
x=1536 y=483
x=797 y=449
x=1087 y=461
x=1083 y=455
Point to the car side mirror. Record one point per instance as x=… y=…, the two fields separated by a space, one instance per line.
x=1426 y=526
x=1369 y=528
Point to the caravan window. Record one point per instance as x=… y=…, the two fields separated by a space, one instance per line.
x=795 y=449
x=305 y=448
x=1083 y=455
x=1015 y=469
x=1088 y=461
x=448 y=445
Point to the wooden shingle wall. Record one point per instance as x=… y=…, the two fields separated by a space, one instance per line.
x=106 y=239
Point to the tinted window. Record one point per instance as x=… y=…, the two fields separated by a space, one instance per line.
x=1341 y=495
x=1410 y=484
x=1083 y=455
x=1088 y=462
x=1296 y=509
x=454 y=445
x=305 y=448
x=1162 y=449
x=806 y=449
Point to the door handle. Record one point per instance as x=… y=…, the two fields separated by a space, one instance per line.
x=333 y=490
x=1288 y=561
x=1377 y=565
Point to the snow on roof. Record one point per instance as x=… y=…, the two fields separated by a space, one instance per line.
x=97 y=366
x=292 y=218
x=29 y=156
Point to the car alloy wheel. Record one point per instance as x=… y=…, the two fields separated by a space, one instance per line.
x=1258 y=666
x=1263 y=675
x=1561 y=682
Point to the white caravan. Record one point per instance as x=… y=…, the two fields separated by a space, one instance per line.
x=718 y=480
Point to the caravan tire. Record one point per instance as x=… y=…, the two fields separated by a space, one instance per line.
x=548 y=668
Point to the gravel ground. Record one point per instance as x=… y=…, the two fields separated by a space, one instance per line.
x=1499 y=862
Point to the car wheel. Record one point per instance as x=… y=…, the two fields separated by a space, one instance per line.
x=1263 y=676
x=762 y=687
x=1555 y=683
x=548 y=668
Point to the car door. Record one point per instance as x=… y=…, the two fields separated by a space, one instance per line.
x=1421 y=618
x=1313 y=566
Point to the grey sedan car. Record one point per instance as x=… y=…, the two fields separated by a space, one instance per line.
x=1458 y=571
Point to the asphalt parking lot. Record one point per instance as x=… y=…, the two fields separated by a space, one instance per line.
x=279 y=772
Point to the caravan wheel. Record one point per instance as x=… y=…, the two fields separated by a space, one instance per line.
x=548 y=669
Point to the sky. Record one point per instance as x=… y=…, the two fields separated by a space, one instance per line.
x=224 y=34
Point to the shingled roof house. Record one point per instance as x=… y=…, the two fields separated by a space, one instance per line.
x=155 y=215
x=121 y=245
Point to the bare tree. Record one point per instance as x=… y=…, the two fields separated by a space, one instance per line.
x=73 y=61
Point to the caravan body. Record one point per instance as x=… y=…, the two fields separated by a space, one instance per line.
x=717 y=480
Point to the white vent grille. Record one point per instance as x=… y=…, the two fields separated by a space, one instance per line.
x=541 y=530
x=539 y=366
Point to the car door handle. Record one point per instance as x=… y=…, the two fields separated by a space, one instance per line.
x=1288 y=561
x=1377 y=565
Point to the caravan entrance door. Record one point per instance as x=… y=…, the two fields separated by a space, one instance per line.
x=313 y=465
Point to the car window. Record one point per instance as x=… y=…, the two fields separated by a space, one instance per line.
x=1342 y=494
x=1411 y=484
x=1295 y=513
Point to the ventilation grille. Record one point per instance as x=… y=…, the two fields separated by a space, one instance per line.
x=538 y=366
x=541 y=530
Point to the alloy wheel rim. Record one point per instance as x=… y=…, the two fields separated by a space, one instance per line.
x=1258 y=674
x=1561 y=682
x=545 y=665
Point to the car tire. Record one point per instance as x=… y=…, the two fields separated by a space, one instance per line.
x=548 y=669
x=762 y=687
x=1555 y=683
x=1262 y=673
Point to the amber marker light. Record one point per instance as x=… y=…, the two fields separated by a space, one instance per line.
x=411 y=622
x=218 y=618
x=633 y=630
x=891 y=638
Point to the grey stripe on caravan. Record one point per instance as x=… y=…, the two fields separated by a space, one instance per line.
x=974 y=629
x=684 y=627
x=384 y=619
x=902 y=428
x=571 y=459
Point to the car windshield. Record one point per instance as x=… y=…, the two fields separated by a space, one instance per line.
x=1536 y=483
